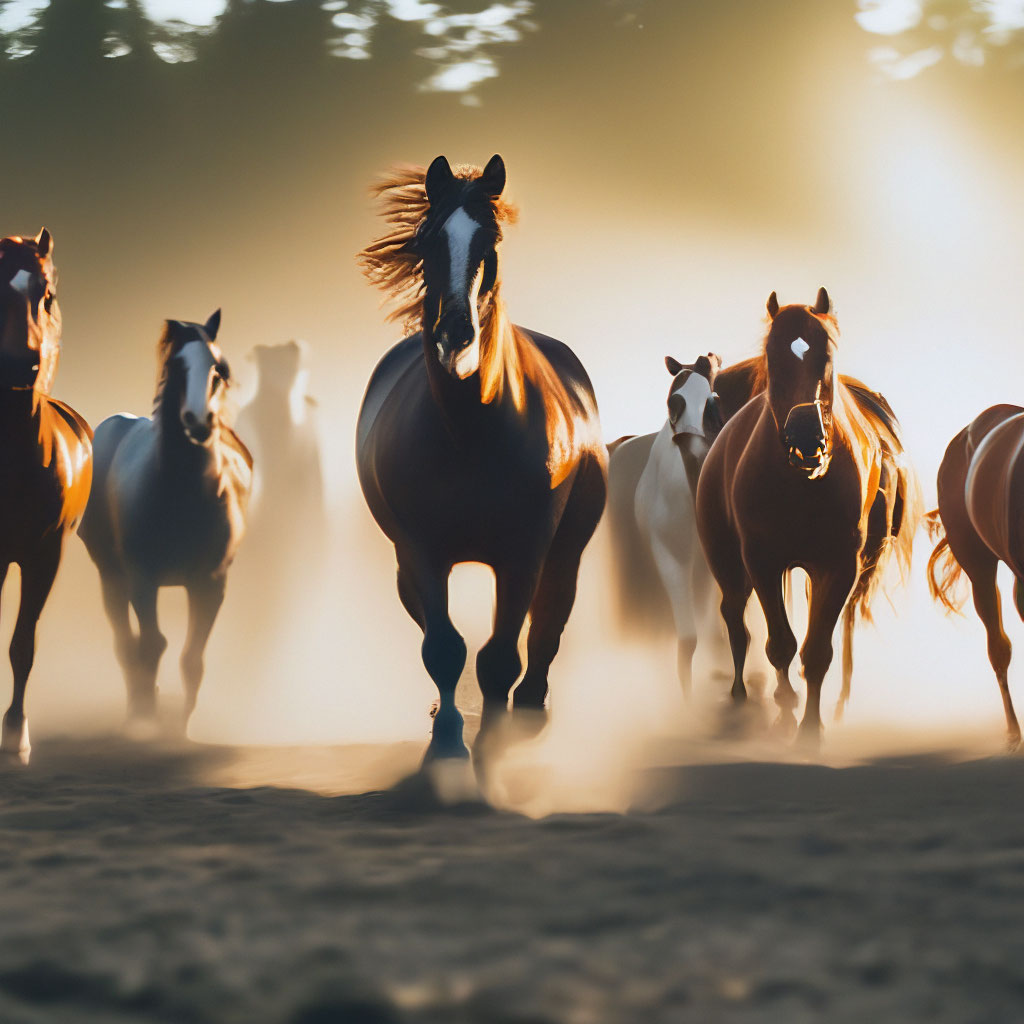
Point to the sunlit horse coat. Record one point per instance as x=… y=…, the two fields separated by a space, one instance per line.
x=45 y=453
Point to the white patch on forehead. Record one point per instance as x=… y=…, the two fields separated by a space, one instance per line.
x=799 y=348
x=20 y=282
x=460 y=229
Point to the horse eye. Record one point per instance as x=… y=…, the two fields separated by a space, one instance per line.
x=48 y=301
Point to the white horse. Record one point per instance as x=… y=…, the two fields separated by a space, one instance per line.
x=652 y=479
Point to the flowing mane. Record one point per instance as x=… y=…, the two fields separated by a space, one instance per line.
x=510 y=361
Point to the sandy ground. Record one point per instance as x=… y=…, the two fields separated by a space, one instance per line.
x=228 y=884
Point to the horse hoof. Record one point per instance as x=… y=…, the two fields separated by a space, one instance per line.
x=809 y=737
x=14 y=745
x=453 y=781
x=527 y=723
x=785 y=725
x=142 y=729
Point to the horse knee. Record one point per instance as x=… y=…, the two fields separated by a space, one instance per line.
x=152 y=647
x=999 y=653
x=23 y=651
x=497 y=668
x=192 y=667
x=444 y=655
x=781 y=651
x=816 y=659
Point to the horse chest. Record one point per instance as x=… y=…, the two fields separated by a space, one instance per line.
x=779 y=510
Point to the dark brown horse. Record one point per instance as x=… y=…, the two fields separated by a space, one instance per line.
x=45 y=453
x=807 y=474
x=980 y=523
x=478 y=441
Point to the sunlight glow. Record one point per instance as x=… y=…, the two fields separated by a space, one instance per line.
x=966 y=31
x=889 y=17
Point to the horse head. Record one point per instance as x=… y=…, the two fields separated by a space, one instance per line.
x=458 y=246
x=278 y=366
x=799 y=353
x=693 y=412
x=195 y=377
x=30 y=325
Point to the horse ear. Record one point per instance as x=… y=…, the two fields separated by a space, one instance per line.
x=823 y=304
x=773 y=305
x=44 y=243
x=212 y=326
x=439 y=179
x=493 y=176
x=673 y=365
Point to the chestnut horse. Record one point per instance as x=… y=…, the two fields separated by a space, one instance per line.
x=795 y=480
x=980 y=523
x=45 y=455
x=477 y=441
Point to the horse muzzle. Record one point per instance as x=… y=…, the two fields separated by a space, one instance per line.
x=806 y=440
x=814 y=464
x=196 y=430
x=458 y=349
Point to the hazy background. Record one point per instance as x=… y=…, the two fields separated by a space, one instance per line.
x=674 y=163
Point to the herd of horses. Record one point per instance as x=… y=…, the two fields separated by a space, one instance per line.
x=479 y=441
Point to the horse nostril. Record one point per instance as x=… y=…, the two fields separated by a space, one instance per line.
x=209 y=419
x=189 y=419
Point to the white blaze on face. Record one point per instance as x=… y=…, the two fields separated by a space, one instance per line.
x=696 y=391
x=21 y=281
x=799 y=348
x=198 y=364
x=459 y=229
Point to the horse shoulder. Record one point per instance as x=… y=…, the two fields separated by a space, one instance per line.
x=387 y=374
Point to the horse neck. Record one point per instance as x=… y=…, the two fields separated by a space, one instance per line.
x=461 y=401
x=19 y=415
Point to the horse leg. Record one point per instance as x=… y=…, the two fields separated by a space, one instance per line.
x=676 y=577
x=849 y=620
x=115 y=604
x=498 y=664
x=204 y=601
x=829 y=594
x=423 y=590
x=151 y=646
x=985 y=590
x=37 y=576
x=981 y=565
x=781 y=644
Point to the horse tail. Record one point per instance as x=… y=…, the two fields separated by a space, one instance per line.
x=944 y=571
x=849 y=620
x=641 y=600
x=897 y=510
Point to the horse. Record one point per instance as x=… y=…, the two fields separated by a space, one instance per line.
x=168 y=509
x=652 y=479
x=810 y=473
x=278 y=425
x=45 y=457
x=477 y=441
x=978 y=525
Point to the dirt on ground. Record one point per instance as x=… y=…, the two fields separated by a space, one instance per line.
x=215 y=884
